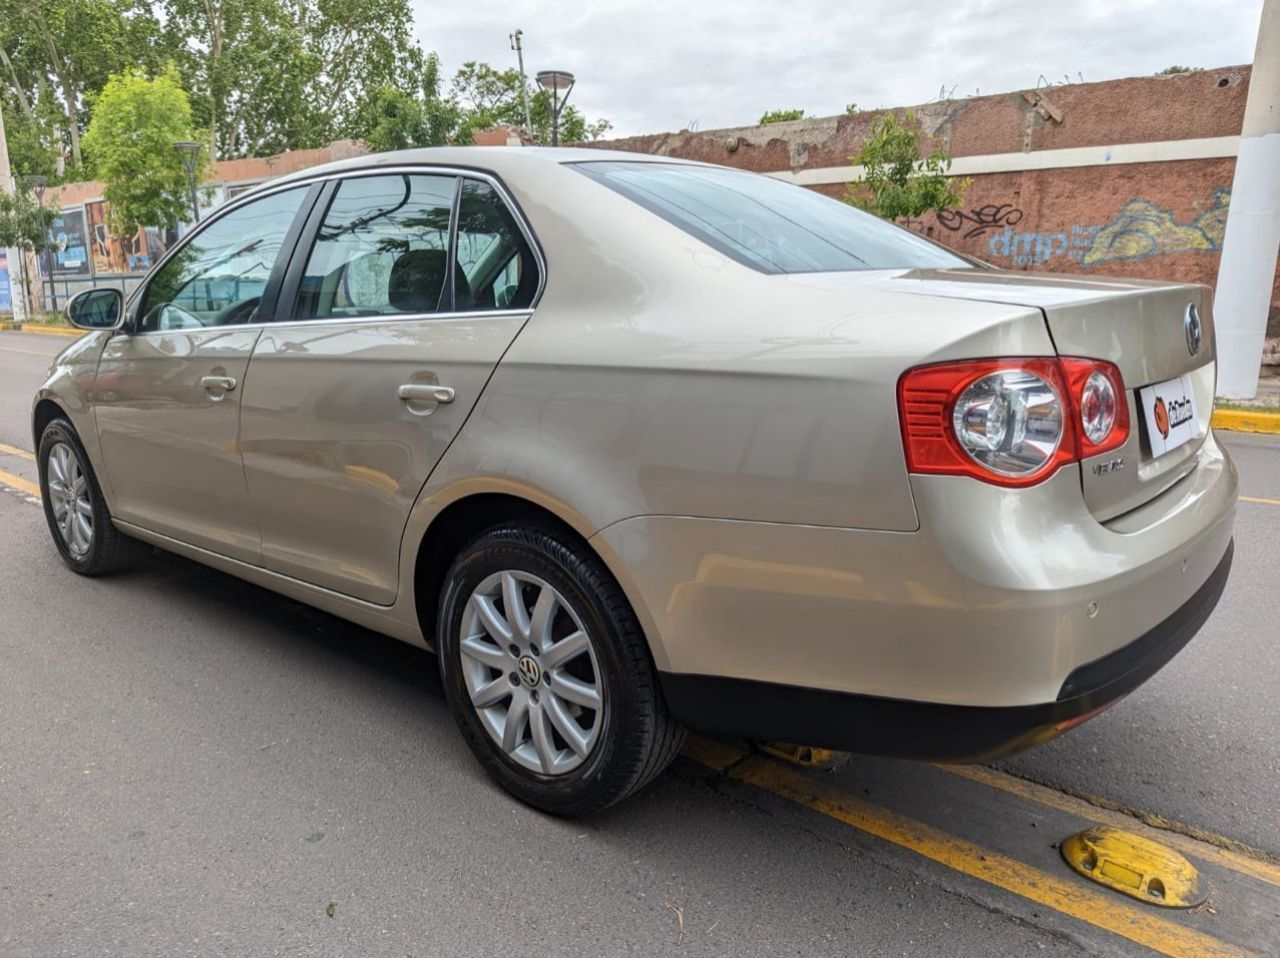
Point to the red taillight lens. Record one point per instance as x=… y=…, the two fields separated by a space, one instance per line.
x=1012 y=422
x=1102 y=408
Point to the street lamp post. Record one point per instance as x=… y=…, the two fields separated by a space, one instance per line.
x=190 y=153
x=555 y=81
x=37 y=185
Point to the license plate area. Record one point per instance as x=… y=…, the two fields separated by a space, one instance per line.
x=1169 y=414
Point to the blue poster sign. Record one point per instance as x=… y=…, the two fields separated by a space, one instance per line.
x=6 y=294
x=68 y=245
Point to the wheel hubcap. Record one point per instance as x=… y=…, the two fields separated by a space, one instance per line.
x=530 y=669
x=68 y=489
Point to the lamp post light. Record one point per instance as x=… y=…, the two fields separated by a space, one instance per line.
x=37 y=185
x=555 y=81
x=190 y=153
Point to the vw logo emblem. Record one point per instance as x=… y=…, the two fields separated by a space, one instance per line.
x=529 y=670
x=1193 y=327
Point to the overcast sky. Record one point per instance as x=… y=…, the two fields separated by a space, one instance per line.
x=656 y=65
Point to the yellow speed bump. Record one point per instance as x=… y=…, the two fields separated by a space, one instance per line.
x=1135 y=866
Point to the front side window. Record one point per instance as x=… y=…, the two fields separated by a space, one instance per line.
x=217 y=278
x=496 y=269
x=382 y=249
x=771 y=226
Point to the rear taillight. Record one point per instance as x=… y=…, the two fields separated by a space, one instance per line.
x=1012 y=422
x=1102 y=411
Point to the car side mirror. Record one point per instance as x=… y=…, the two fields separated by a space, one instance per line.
x=96 y=309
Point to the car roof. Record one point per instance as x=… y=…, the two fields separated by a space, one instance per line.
x=499 y=160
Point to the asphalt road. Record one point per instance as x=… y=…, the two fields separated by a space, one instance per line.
x=191 y=765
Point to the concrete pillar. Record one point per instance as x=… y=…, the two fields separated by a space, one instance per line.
x=1249 y=249
x=17 y=291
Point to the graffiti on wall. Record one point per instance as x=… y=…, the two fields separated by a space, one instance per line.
x=980 y=218
x=1140 y=229
x=1143 y=229
x=1038 y=247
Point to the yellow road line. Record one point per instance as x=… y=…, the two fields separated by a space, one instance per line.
x=17 y=482
x=1064 y=895
x=1205 y=850
x=1259 y=499
x=15 y=451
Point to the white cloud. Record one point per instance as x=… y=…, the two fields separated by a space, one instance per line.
x=658 y=65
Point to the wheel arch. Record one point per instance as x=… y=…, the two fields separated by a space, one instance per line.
x=469 y=514
x=46 y=411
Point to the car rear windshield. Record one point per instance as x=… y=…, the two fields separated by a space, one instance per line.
x=766 y=224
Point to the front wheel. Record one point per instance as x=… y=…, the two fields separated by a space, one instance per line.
x=547 y=672
x=74 y=507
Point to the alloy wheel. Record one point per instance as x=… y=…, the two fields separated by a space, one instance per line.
x=531 y=672
x=68 y=488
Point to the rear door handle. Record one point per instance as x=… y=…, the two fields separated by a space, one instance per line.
x=225 y=383
x=426 y=392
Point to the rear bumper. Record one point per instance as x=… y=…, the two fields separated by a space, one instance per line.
x=870 y=724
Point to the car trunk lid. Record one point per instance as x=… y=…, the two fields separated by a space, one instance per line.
x=1141 y=327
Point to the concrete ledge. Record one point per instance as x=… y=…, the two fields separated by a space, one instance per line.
x=42 y=330
x=1247 y=420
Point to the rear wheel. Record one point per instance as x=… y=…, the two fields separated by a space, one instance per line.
x=547 y=672
x=78 y=518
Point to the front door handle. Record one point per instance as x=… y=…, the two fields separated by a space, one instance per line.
x=225 y=383
x=426 y=392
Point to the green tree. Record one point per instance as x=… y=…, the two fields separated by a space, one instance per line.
x=55 y=53
x=24 y=224
x=486 y=96
x=1169 y=71
x=896 y=181
x=135 y=121
x=393 y=118
x=273 y=75
x=780 y=116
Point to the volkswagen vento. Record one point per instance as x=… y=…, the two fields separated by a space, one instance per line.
x=637 y=444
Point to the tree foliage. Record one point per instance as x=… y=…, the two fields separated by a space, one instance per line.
x=780 y=116
x=274 y=75
x=136 y=121
x=262 y=76
x=485 y=96
x=896 y=181
x=54 y=53
x=24 y=223
x=1169 y=71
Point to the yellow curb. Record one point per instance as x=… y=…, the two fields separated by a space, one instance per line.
x=39 y=329
x=1246 y=420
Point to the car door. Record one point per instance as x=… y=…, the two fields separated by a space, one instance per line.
x=380 y=349
x=168 y=387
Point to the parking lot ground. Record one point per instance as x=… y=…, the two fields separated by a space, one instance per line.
x=192 y=765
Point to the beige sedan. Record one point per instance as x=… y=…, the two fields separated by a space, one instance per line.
x=637 y=445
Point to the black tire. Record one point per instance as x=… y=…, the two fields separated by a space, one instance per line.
x=638 y=737
x=110 y=549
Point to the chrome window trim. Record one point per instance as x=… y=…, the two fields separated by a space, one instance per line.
x=379 y=319
x=459 y=172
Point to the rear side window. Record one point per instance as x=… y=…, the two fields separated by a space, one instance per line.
x=496 y=269
x=382 y=249
x=766 y=224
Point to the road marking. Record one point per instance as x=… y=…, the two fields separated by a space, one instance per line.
x=18 y=483
x=1260 y=500
x=29 y=352
x=1066 y=896
x=15 y=451
x=1213 y=848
